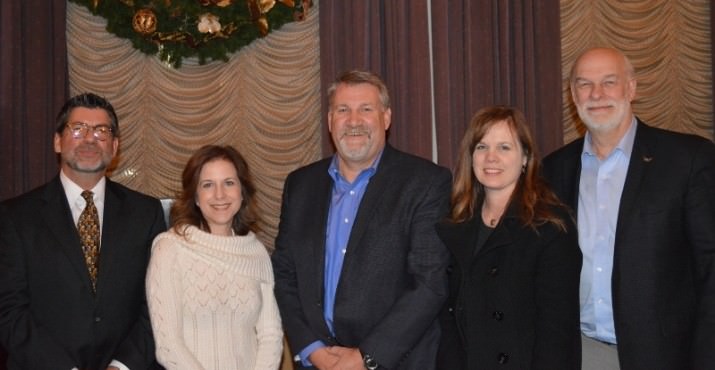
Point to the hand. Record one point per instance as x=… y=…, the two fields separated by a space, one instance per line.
x=323 y=359
x=348 y=358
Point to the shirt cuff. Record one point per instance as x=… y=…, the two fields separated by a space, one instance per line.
x=306 y=352
x=118 y=364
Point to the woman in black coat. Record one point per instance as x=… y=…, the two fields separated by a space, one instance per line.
x=514 y=276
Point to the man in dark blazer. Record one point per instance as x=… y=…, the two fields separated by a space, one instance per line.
x=54 y=313
x=645 y=204
x=360 y=272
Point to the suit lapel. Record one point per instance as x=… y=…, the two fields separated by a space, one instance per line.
x=58 y=218
x=571 y=176
x=323 y=185
x=111 y=230
x=371 y=199
x=641 y=157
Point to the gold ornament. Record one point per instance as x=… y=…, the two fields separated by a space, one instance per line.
x=266 y=5
x=221 y=3
x=262 y=23
x=144 y=21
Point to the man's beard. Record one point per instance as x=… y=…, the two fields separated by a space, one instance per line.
x=603 y=124
x=355 y=153
x=99 y=166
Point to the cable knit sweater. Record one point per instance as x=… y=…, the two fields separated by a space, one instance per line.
x=211 y=302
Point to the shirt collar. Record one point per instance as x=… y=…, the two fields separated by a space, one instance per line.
x=625 y=145
x=74 y=191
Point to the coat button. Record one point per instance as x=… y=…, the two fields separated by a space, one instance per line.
x=450 y=310
x=97 y=319
x=503 y=358
x=494 y=271
x=498 y=315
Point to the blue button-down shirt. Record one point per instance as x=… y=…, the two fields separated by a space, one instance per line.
x=599 y=197
x=344 y=203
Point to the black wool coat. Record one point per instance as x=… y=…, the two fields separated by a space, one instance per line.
x=515 y=304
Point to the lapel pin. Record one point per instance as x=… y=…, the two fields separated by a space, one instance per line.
x=647 y=159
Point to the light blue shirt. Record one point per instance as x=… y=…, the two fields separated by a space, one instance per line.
x=344 y=204
x=599 y=196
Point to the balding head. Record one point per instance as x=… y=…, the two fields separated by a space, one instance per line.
x=603 y=87
x=607 y=55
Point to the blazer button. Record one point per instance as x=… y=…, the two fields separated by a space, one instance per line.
x=97 y=319
x=498 y=315
x=494 y=271
x=450 y=310
x=503 y=358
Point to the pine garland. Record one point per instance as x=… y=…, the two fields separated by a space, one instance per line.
x=207 y=29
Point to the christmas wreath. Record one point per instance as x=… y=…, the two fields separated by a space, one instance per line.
x=207 y=29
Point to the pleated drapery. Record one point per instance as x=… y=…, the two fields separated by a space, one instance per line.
x=265 y=101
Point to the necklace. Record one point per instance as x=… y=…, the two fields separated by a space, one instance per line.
x=489 y=219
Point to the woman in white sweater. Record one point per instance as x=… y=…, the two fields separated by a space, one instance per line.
x=210 y=282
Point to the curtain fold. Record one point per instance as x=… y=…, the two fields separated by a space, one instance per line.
x=670 y=45
x=265 y=101
x=496 y=52
x=390 y=38
x=33 y=87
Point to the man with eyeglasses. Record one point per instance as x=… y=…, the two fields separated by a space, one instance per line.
x=73 y=256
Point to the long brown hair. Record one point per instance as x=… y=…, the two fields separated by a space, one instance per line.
x=535 y=201
x=184 y=211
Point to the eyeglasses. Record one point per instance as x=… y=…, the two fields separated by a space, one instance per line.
x=100 y=132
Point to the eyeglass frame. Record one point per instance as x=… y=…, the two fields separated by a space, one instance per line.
x=79 y=130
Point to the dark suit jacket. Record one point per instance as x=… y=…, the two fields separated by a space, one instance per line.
x=49 y=317
x=393 y=280
x=663 y=281
x=513 y=305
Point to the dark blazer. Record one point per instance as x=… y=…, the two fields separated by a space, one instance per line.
x=49 y=317
x=393 y=280
x=513 y=305
x=663 y=281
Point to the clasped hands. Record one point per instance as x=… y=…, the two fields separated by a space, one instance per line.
x=337 y=358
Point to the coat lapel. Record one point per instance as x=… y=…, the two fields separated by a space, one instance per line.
x=459 y=238
x=58 y=218
x=500 y=237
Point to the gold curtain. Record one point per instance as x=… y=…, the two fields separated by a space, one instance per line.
x=668 y=42
x=265 y=101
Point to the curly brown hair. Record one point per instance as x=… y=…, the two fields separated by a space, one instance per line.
x=184 y=211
